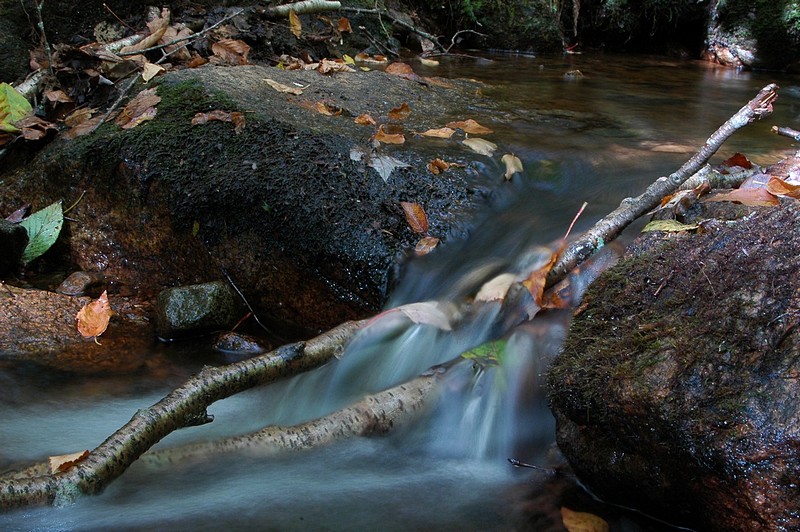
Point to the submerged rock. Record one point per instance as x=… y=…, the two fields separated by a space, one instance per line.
x=199 y=308
x=83 y=284
x=676 y=392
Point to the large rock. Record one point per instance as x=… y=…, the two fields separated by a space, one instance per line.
x=13 y=239
x=677 y=389
x=304 y=226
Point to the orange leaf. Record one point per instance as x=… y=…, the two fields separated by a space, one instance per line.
x=400 y=69
x=140 y=108
x=59 y=464
x=754 y=197
x=388 y=138
x=415 y=216
x=737 y=159
x=327 y=109
x=582 y=521
x=441 y=133
x=94 y=316
x=399 y=114
x=779 y=187
x=365 y=120
x=344 y=25
x=235 y=117
x=295 y=25
x=425 y=245
x=470 y=126
x=438 y=166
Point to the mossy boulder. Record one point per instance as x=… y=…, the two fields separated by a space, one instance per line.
x=676 y=391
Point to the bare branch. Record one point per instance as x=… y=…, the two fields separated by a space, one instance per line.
x=306 y=6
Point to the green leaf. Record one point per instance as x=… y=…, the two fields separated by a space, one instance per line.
x=13 y=107
x=488 y=354
x=672 y=226
x=43 y=228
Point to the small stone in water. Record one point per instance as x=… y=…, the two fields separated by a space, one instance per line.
x=83 y=284
x=237 y=343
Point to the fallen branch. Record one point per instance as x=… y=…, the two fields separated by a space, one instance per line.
x=787 y=132
x=184 y=406
x=306 y=6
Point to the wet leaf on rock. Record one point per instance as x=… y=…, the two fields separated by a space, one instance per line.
x=151 y=70
x=481 y=146
x=384 y=165
x=415 y=216
x=388 y=138
x=513 y=165
x=437 y=166
x=425 y=245
x=671 y=226
x=43 y=228
x=582 y=521
x=327 y=109
x=141 y=108
x=440 y=133
x=13 y=107
x=365 y=120
x=231 y=51
x=753 y=197
x=280 y=87
x=398 y=114
x=779 y=187
x=235 y=117
x=93 y=318
x=470 y=126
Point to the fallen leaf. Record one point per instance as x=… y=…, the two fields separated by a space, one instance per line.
x=234 y=117
x=779 y=187
x=139 y=109
x=582 y=521
x=513 y=165
x=440 y=133
x=151 y=70
x=344 y=25
x=433 y=313
x=78 y=116
x=348 y=60
x=437 y=166
x=59 y=464
x=398 y=114
x=365 y=59
x=671 y=226
x=280 y=87
x=94 y=316
x=85 y=127
x=415 y=216
x=13 y=107
x=327 y=109
x=20 y=214
x=753 y=197
x=425 y=245
x=388 y=138
x=365 y=120
x=57 y=96
x=329 y=66
x=295 y=26
x=470 y=126
x=231 y=51
x=34 y=128
x=385 y=165
x=737 y=159
x=537 y=279
x=157 y=28
x=481 y=146
x=428 y=62
x=196 y=61
x=489 y=354
x=399 y=69
x=43 y=228
x=496 y=288
x=177 y=52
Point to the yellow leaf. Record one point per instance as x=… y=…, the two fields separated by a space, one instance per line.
x=513 y=165
x=294 y=24
x=94 y=316
x=671 y=226
x=582 y=521
x=470 y=126
x=348 y=60
x=151 y=70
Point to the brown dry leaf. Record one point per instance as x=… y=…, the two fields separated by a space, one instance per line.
x=753 y=197
x=415 y=216
x=234 y=117
x=78 y=116
x=178 y=52
x=537 y=279
x=437 y=166
x=776 y=186
x=84 y=128
x=280 y=87
x=440 y=133
x=231 y=51
x=470 y=126
x=582 y=521
x=139 y=109
x=399 y=69
x=737 y=159
x=344 y=25
x=33 y=127
x=57 y=96
x=59 y=464
x=157 y=29
x=329 y=66
x=366 y=59
x=425 y=245
x=365 y=120
x=388 y=138
x=94 y=316
x=327 y=109
x=295 y=26
x=398 y=114
x=513 y=165
x=196 y=61
x=151 y=70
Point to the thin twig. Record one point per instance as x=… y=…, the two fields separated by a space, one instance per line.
x=113 y=108
x=117 y=17
x=456 y=34
x=40 y=26
x=247 y=303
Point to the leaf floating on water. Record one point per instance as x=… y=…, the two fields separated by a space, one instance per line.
x=582 y=521
x=93 y=318
x=496 y=289
x=415 y=216
x=43 y=228
x=384 y=165
x=488 y=355
x=59 y=464
x=481 y=146
x=513 y=165
x=398 y=114
x=428 y=62
x=280 y=87
x=671 y=226
x=388 y=138
x=365 y=120
x=470 y=126
x=13 y=107
x=425 y=245
x=433 y=313
x=139 y=109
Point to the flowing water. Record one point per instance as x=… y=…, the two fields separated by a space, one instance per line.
x=597 y=139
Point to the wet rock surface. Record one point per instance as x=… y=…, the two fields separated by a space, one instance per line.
x=308 y=233
x=676 y=392
x=13 y=239
x=188 y=310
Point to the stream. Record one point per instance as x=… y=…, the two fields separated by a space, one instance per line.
x=597 y=139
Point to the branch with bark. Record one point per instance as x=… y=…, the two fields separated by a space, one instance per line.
x=186 y=405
